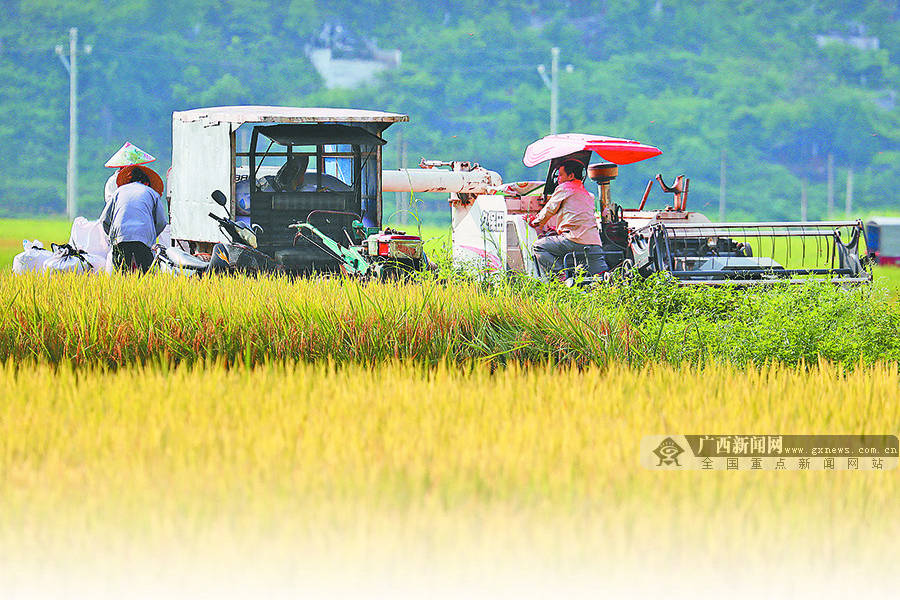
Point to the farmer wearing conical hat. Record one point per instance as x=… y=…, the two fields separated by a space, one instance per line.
x=135 y=216
x=126 y=156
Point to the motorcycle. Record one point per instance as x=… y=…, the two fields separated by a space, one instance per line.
x=237 y=256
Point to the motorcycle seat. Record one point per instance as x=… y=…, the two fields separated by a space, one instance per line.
x=186 y=261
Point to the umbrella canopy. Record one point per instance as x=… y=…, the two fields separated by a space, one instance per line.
x=615 y=150
x=128 y=155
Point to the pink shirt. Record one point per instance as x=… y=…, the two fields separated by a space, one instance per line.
x=574 y=206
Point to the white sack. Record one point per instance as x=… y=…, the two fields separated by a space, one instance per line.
x=33 y=257
x=109 y=190
x=165 y=237
x=98 y=261
x=66 y=264
x=108 y=263
x=67 y=259
x=89 y=236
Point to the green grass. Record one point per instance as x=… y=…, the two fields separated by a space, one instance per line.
x=437 y=238
x=437 y=244
x=13 y=231
x=888 y=278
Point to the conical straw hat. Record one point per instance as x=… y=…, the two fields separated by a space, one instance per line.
x=128 y=155
x=156 y=181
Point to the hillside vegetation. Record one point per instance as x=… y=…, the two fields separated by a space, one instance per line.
x=695 y=78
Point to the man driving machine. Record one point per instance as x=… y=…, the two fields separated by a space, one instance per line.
x=576 y=229
x=289 y=177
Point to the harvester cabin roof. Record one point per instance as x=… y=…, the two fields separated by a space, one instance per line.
x=295 y=134
x=239 y=115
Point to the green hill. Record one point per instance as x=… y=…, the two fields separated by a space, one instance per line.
x=775 y=86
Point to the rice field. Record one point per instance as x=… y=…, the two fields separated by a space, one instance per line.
x=346 y=465
x=199 y=437
x=126 y=319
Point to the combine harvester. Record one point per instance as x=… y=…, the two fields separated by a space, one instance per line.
x=229 y=205
x=490 y=233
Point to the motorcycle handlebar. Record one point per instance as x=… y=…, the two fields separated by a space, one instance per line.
x=227 y=226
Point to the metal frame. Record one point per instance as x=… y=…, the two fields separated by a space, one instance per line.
x=663 y=256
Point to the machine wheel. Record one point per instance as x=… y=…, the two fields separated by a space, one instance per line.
x=626 y=269
x=399 y=269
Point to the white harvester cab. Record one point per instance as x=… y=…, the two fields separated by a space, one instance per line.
x=240 y=150
x=491 y=235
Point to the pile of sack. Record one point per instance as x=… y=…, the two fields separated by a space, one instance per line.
x=88 y=251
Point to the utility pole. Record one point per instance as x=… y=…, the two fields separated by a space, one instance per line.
x=803 y=199
x=848 y=202
x=71 y=65
x=402 y=198
x=552 y=83
x=722 y=188
x=554 y=90
x=830 y=175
